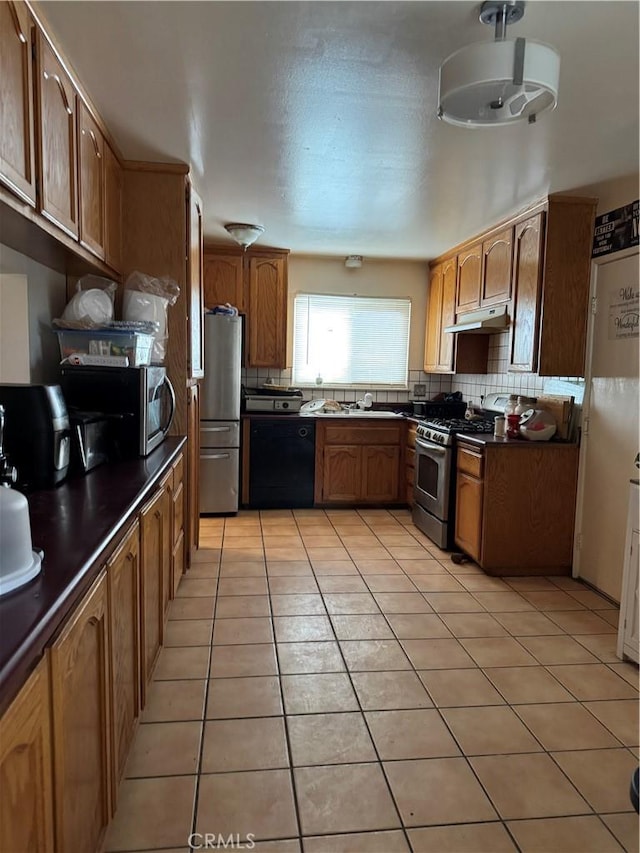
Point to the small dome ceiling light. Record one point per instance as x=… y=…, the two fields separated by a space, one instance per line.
x=353 y=262
x=244 y=234
x=499 y=82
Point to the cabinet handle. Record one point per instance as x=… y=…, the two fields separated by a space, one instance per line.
x=16 y=23
x=94 y=140
x=55 y=77
x=157 y=514
x=131 y=556
x=93 y=620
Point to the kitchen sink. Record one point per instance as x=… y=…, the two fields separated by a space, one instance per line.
x=356 y=413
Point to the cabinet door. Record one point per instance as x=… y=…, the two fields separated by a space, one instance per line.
x=469 y=278
x=153 y=523
x=496 y=277
x=380 y=474
x=224 y=280
x=56 y=140
x=267 y=312
x=80 y=691
x=432 y=331
x=195 y=340
x=193 y=471
x=90 y=181
x=17 y=158
x=447 y=316
x=527 y=286
x=26 y=804
x=123 y=581
x=167 y=582
x=630 y=605
x=112 y=209
x=468 y=533
x=178 y=494
x=342 y=474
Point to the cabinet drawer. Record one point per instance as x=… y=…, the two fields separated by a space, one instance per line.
x=470 y=462
x=362 y=434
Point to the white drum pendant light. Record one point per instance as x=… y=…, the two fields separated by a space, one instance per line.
x=499 y=82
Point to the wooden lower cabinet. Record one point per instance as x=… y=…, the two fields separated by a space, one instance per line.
x=469 y=514
x=515 y=506
x=178 y=496
x=26 y=803
x=123 y=583
x=359 y=464
x=80 y=685
x=155 y=518
x=410 y=458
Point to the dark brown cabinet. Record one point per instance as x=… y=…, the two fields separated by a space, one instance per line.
x=123 y=583
x=17 y=149
x=91 y=181
x=56 y=133
x=112 y=209
x=80 y=683
x=527 y=288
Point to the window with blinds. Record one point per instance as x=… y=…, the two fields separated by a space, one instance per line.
x=351 y=340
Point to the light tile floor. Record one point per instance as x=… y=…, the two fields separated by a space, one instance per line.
x=332 y=681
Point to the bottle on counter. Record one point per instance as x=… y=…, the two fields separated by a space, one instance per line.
x=513 y=419
x=524 y=404
x=500 y=426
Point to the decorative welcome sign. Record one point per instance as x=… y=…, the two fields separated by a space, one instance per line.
x=623 y=312
x=616 y=230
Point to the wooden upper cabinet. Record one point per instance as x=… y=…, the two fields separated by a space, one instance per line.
x=223 y=280
x=267 y=312
x=527 y=286
x=17 y=157
x=56 y=140
x=112 y=209
x=81 y=723
x=497 y=252
x=447 y=316
x=91 y=181
x=26 y=804
x=434 y=312
x=469 y=279
x=123 y=577
x=195 y=338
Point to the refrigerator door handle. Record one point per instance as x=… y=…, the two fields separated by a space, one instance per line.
x=215 y=456
x=216 y=429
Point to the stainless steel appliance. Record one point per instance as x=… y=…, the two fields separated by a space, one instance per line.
x=434 y=486
x=91 y=443
x=141 y=399
x=220 y=414
x=284 y=404
x=36 y=437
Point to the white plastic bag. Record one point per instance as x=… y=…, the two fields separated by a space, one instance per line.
x=148 y=298
x=91 y=306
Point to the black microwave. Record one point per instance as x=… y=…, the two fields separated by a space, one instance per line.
x=141 y=401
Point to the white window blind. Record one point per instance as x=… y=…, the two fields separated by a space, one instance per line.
x=350 y=340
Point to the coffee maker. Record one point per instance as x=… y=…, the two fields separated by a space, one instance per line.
x=37 y=437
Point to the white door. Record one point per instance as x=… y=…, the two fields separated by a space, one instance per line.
x=611 y=442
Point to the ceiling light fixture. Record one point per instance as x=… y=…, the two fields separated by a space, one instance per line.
x=498 y=82
x=244 y=234
x=353 y=262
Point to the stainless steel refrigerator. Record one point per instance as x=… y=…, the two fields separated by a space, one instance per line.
x=220 y=414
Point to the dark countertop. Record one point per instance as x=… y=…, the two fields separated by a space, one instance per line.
x=489 y=440
x=77 y=526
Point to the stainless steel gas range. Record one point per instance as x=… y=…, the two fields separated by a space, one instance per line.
x=434 y=486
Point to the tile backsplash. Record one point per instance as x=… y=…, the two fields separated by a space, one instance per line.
x=475 y=386
x=472 y=386
x=254 y=377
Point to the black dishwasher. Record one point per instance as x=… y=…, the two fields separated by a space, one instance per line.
x=281 y=463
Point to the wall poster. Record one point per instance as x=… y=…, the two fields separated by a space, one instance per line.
x=616 y=230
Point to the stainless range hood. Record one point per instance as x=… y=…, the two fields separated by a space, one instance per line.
x=487 y=321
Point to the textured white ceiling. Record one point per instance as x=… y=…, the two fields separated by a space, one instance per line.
x=317 y=119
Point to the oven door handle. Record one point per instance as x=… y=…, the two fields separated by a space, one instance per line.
x=432 y=448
